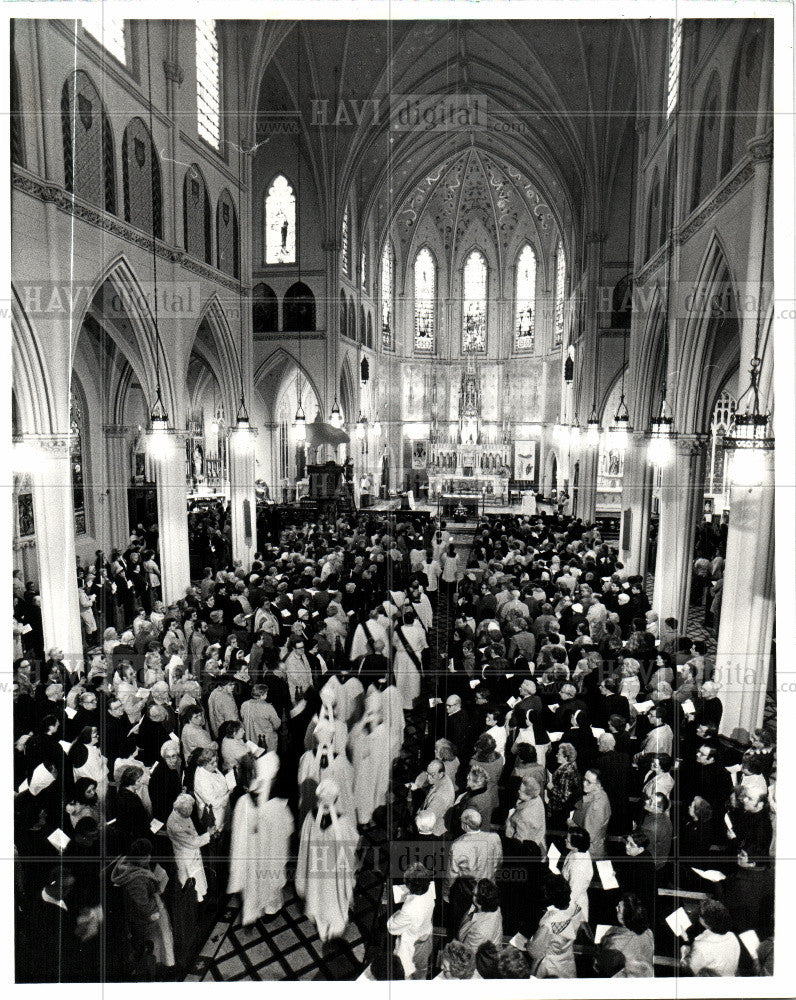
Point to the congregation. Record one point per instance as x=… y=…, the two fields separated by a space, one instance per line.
x=502 y=733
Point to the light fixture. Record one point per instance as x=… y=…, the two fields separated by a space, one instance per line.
x=749 y=438
x=242 y=438
x=336 y=418
x=158 y=440
x=619 y=431
x=574 y=436
x=593 y=429
x=662 y=437
x=300 y=424
x=361 y=425
x=377 y=427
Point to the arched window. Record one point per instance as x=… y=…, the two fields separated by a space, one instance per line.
x=265 y=309
x=561 y=278
x=76 y=436
x=706 y=151
x=280 y=223
x=369 y=339
x=17 y=131
x=653 y=218
x=343 y=315
x=298 y=309
x=525 y=300
x=675 y=59
x=109 y=32
x=425 y=300
x=743 y=96
x=474 y=303
x=227 y=242
x=89 y=169
x=196 y=215
x=387 y=259
x=141 y=180
x=363 y=269
x=721 y=425
x=208 y=79
x=345 y=262
x=363 y=333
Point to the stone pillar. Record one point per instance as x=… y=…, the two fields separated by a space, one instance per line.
x=587 y=483
x=242 y=500
x=53 y=514
x=118 y=444
x=636 y=501
x=746 y=629
x=173 y=518
x=682 y=488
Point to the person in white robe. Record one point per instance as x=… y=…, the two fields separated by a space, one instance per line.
x=187 y=844
x=260 y=847
x=377 y=627
x=210 y=787
x=370 y=753
x=326 y=866
x=325 y=762
x=297 y=669
x=408 y=636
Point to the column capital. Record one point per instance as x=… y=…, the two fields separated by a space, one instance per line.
x=690 y=444
x=53 y=445
x=118 y=430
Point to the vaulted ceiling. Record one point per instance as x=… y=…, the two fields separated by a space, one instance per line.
x=560 y=96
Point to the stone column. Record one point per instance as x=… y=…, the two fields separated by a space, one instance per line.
x=636 y=500
x=242 y=500
x=587 y=483
x=170 y=481
x=53 y=514
x=746 y=629
x=118 y=443
x=682 y=487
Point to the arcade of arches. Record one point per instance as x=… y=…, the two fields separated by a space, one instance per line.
x=459 y=292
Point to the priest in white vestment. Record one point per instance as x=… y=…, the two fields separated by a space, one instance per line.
x=326 y=866
x=187 y=844
x=409 y=641
x=260 y=846
x=370 y=753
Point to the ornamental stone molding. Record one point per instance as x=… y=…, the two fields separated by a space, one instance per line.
x=54 y=194
x=53 y=445
x=174 y=72
x=761 y=147
x=722 y=196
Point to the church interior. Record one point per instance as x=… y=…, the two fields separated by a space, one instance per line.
x=300 y=311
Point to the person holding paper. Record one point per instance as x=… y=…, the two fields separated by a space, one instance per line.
x=527 y=820
x=578 y=867
x=210 y=787
x=412 y=923
x=716 y=950
x=483 y=922
x=187 y=844
x=552 y=947
x=657 y=825
x=632 y=937
x=564 y=785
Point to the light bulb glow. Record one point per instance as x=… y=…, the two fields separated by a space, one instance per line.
x=660 y=450
x=336 y=418
x=377 y=427
x=159 y=440
x=748 y=466
x=300 y=428
x=593 y=434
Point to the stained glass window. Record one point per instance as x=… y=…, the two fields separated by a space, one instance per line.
x=227 y=242
x=141 y=179
x=425 y=299
x=208 y=103
x=525 y=300
x=561 y=277
x=363 y=268
x=675 y=50
x=89 y=168
x=280 y=223
x=386 y=295
x=109 y=32
x=474 y=303
x=344 y=260
x=76 y=457
x=196 y=215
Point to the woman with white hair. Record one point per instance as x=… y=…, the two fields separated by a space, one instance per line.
x=187 y=844
x=260 y=847
x=326 y=866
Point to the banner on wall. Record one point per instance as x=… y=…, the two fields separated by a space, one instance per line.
x=524 y=459
x=419 y=454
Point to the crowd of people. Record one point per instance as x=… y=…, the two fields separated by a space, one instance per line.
x=501 y=737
